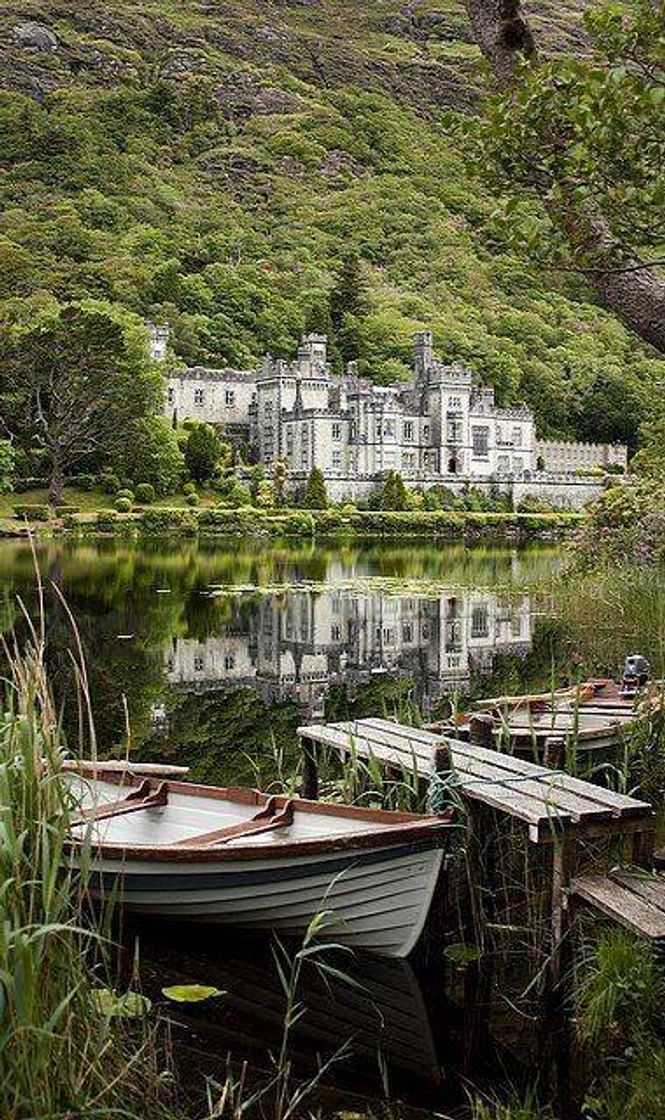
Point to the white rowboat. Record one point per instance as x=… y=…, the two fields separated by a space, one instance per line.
x=239 y=857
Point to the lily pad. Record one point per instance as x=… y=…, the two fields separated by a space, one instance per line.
x=461 y=954
x=129 y=1005
x=191 y=993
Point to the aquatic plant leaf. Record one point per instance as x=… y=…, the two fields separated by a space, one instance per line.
x=191 y=993
x=129 y=1005
x=460 y=954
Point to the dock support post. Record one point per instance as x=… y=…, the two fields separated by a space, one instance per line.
x=642 y=848
x=556 y=1041
x=479 y=979
x=309 y=787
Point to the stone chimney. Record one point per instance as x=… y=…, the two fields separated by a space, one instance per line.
x=159 y=340
x=423 y=351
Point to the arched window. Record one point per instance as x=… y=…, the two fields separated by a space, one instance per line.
x=452 y=466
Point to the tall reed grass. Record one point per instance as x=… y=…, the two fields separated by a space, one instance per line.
x=64 y=1050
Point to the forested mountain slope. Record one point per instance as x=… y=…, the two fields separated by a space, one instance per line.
x=217 y=163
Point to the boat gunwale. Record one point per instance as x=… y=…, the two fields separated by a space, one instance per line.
x=398 y=827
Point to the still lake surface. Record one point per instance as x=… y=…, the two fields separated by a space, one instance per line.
x=210 y=653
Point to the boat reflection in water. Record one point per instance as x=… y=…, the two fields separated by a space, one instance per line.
x=297 y=645
x=381 y=1031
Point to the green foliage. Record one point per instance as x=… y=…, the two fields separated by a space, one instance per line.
x=232 y=493
x=316 y=495
x=582 y=131
x=73 y=383
x=110 y=483
x=247 y=203
x=107 y=521
x=125 y=492
x=202 y=452
x=393 y=492
x=154 y=455
x=619 y=990
x=627 y=524
x=7 y=466
x=192 y=499
x=145 y=493
x=32 y=512
x=123 y=505
x=161 y=520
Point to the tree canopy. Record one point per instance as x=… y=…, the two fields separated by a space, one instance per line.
x=72 y=387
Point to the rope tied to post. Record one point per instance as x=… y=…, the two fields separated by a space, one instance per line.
x=441 y=793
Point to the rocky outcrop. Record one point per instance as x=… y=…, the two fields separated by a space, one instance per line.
x=35 y=37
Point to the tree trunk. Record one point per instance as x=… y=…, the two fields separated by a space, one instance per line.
x=625 y=285
x=56 y=482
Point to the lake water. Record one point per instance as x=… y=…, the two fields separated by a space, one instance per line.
x=211 y=654
x=214 y=652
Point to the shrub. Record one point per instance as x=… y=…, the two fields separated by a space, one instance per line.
x=192 y=499
x=66 y=510
x=202 y=452
x=29 y=483
x=393 y=493
x=84 y=481
x=123 y=505
x=162 y=520
x=107 y=521
x=126 y=493
x=153 y=455
x=32 y=512
x=316 y=495
x=7 y=466
x=144 y=493
x=189 y=488
x=110 y=483
x=232 y=493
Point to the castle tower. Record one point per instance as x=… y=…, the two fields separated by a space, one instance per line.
x=423 y=352
x=313 y=352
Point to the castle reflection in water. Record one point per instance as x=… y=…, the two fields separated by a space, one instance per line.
x=297 y=645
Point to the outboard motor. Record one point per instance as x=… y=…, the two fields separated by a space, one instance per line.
x=636 y=673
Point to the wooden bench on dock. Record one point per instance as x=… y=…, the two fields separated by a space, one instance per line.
x=550 y=802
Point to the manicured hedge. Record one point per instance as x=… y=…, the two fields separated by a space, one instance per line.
x=32 y=512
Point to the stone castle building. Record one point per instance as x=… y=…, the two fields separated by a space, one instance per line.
x=443 y=427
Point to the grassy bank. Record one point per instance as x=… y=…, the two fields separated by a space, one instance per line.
x=86 y=513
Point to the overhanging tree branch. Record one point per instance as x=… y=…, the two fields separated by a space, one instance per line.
x=625 y=284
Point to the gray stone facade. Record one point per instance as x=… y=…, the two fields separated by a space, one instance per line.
x=442 y=428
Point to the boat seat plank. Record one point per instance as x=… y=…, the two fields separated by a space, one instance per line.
x=618 y=898
x=266 y=820
x=142 y=797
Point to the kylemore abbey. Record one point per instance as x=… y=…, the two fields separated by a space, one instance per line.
x=442 y=428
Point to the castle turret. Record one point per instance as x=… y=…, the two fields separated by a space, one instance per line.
x=313 y=351
x=423 y=351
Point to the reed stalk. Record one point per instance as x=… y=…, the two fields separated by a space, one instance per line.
x=66 y=1050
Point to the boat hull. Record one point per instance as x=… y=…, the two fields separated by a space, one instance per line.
x=374 y=899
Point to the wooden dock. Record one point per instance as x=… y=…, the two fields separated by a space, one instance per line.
x=634 y=899
x=549 y=802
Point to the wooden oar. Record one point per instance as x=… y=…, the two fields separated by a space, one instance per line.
x=120 y=766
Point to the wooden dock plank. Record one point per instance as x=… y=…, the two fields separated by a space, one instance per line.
x=428 y=741
x=619 y=901
x=547 y=800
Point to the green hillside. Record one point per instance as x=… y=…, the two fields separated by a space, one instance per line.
x=213 y=163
